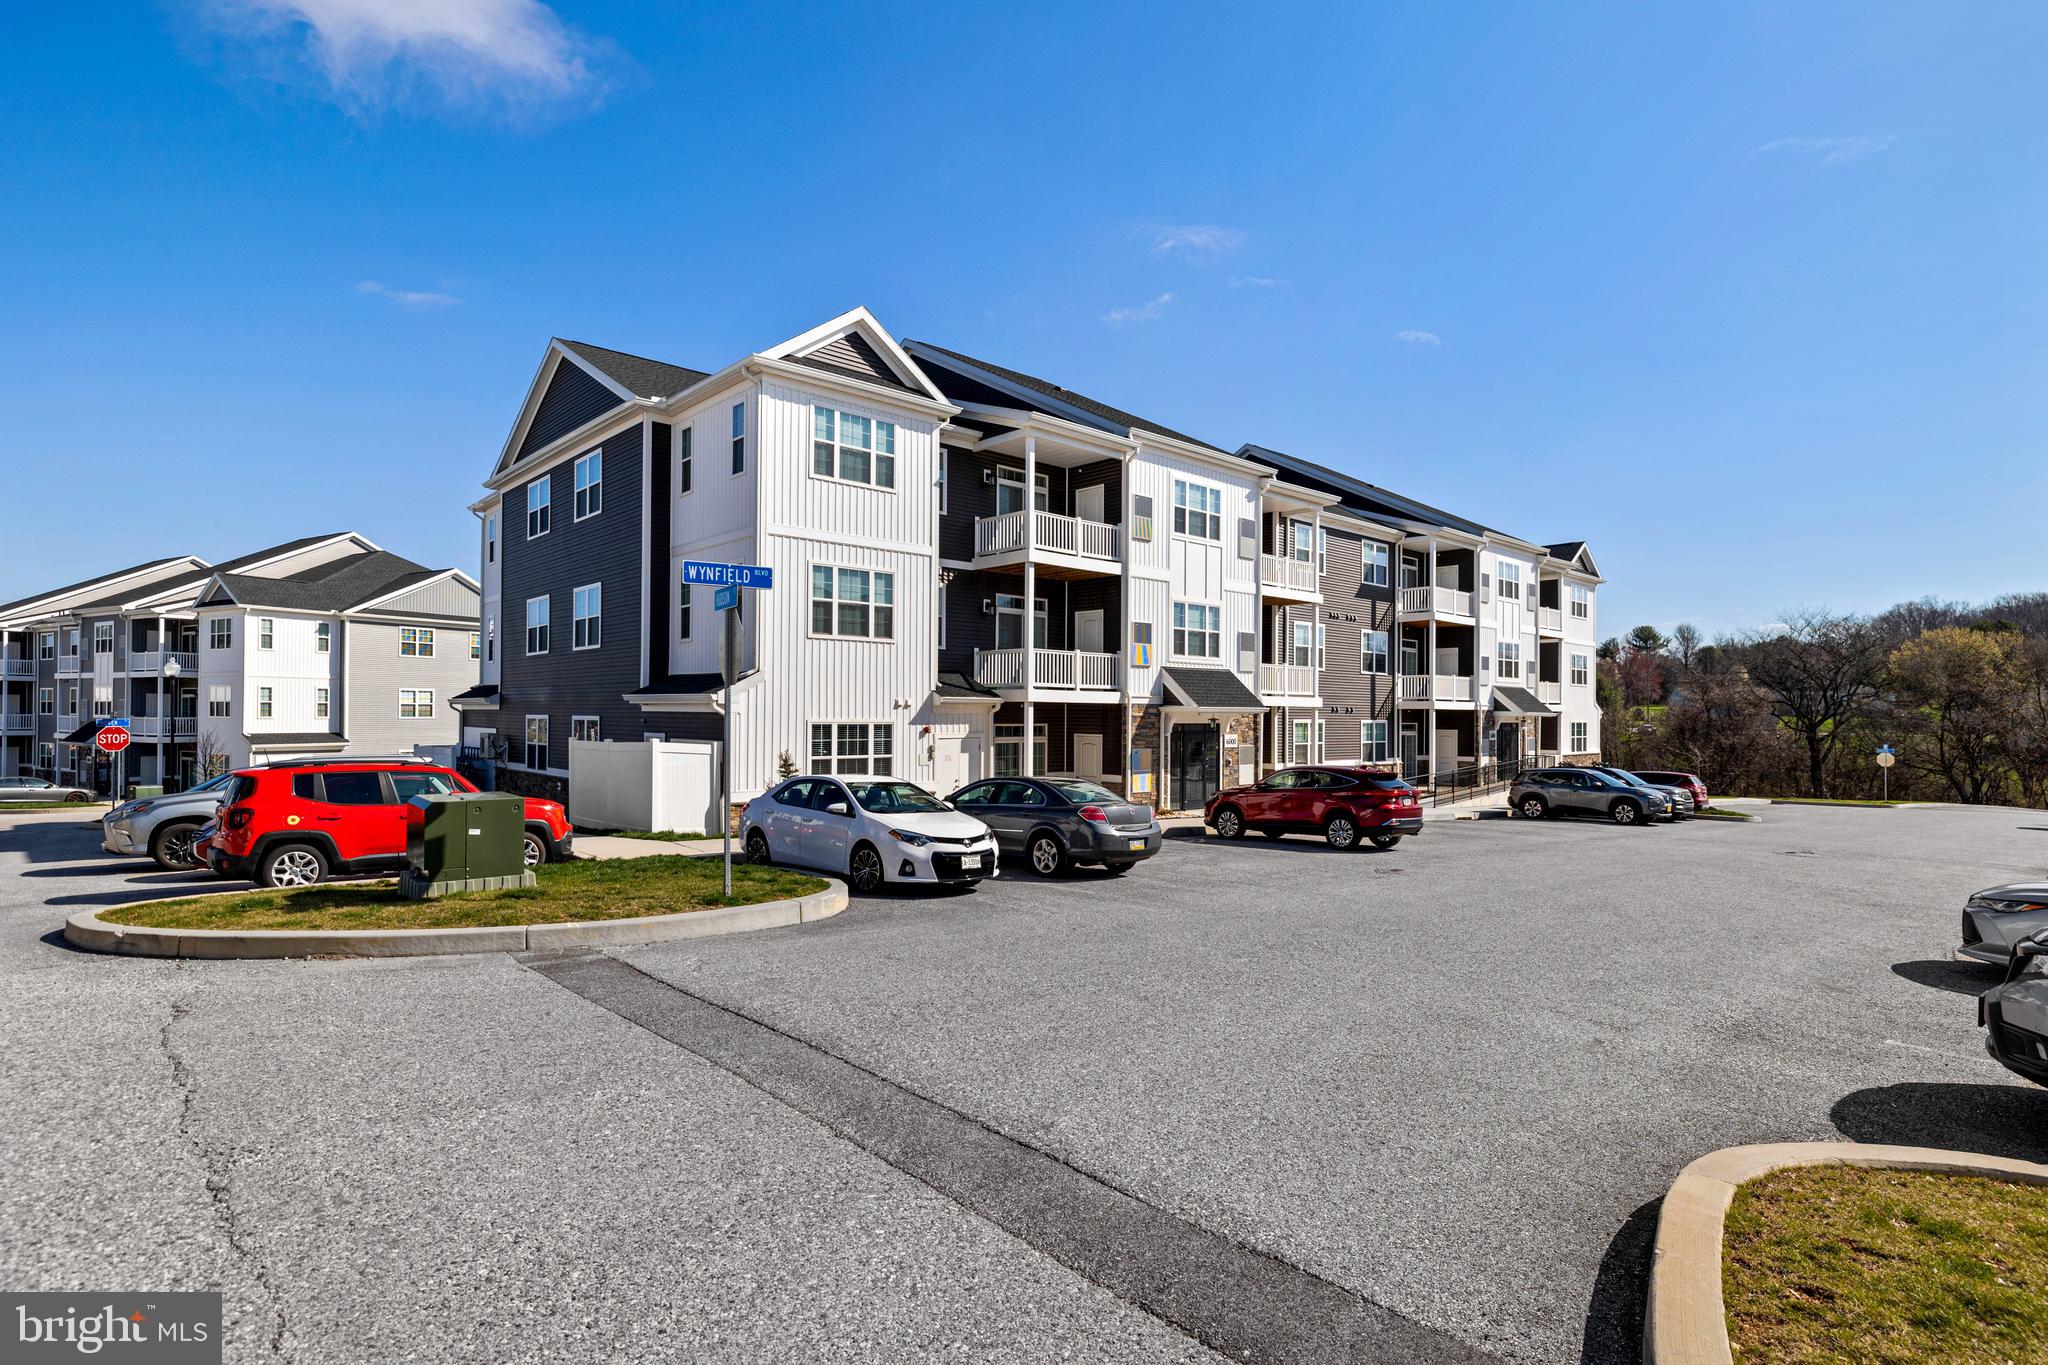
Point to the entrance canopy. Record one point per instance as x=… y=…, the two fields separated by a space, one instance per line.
x=1519 y=701
x=1211 y=691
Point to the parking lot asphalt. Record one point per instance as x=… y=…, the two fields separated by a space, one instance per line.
x=1452 y=1079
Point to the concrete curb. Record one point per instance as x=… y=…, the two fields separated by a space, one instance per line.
x=87 y=930
x=1737 y=816
x=1686 y=1319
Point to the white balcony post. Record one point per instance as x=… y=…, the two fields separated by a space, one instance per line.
x=1030 y=746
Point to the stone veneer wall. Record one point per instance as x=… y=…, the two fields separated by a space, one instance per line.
x=1145 y=734
x=546 y=786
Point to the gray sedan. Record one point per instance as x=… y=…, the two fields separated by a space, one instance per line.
x=1056 y=822
x=1997 y=918
x=21 y=789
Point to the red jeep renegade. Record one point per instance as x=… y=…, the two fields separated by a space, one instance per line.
x=294 y=824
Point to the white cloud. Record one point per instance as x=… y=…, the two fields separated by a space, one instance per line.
x=1255 y=282
x=1144 y=312
x=419 y=300
x=1832 y=151
x=508 y=58
x=1196 y=239
x=1419 y=339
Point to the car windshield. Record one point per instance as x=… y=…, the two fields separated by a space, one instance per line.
x=1084 y=792
x=895 y=798
x=214 y=784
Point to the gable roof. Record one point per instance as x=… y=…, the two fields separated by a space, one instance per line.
x=1210 y=689
x=84 y=583
x=334 y=586
x=638 y=375
x=1031 y=388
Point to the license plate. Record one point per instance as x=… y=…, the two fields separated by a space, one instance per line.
x=1137 y=845
x=971 y=863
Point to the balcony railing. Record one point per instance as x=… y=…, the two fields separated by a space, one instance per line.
x=164 y=727
x=1551 y=692
x=153 y=660
x=1004 y=534
x=1287 y=680
x=1426 y=601
x=17 y=668
x=1437 y=687
x=1285 y=571
x=18 y=723
x=1065 y=670
x=1550 y=619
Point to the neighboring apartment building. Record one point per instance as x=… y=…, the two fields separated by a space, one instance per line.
x=322 y=645
x=977 y=571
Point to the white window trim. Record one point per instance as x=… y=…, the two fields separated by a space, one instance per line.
x=1368 y=560
x=943 y=474
x=419 y=697
x=544 y=481
x=323 y=637
x=595 y=486
x=686 y=452
x=1175 y=633
x=598 y=643
x=1215 y=517
x=526 y=744
x=1365 y=667
x=266 y=703
x=1365 y=745
x=321 y=697
x=736 y=447
x=874 y=451
x=810 y=598
x=546 y=625
x=596 y=727
x=422 y=642
x=882 y=728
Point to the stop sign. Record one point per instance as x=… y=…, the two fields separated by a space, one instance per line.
x=112 y=738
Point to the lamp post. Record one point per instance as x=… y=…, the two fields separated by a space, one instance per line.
x=170 y=731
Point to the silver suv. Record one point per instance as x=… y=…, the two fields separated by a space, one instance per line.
x=162 y=827
x=1586 y=791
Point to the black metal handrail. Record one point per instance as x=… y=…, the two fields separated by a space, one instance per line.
x=1462 y=784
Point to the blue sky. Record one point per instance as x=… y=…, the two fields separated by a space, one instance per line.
x=1750 y=297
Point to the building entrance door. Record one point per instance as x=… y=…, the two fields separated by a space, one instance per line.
x=1195 y=764
x=1507 y=744
x=1411 y=749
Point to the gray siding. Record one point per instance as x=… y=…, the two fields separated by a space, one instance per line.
x=572 y=398
x=374 y=671
x=854 y=356
x=1349 y=609
x=449 y=598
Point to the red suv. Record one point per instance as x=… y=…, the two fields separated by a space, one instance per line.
x=1689 y=781
x=1338 y=803
x=294 y=824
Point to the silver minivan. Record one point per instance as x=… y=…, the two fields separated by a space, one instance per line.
x=1586 y=791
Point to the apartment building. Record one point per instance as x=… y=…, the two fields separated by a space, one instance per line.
x=322 y=645
x=977 y=571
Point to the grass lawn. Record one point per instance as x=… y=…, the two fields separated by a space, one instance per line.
x=1723 y=810
x=6 y=806
x=581 y=890
x=1825 y=1264
x=664 y=835
x=1828 y=801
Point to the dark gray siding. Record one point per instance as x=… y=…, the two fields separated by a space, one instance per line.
x=1062 y=721
x=971 y=494
x=970 y=625
x=659 y=628
x=572 y=398
x=852 y=355
x=606 y=549
x=1350 y=608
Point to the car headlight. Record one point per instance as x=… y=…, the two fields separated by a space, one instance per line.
x=909 y=836
x=2005 y=907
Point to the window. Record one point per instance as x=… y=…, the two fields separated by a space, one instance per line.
x=942 y=616
x=845 y=445
x=1303 y=738
x=586 y=610
x=266 y=633
x=1510 y=660
x=1327 y=780
x=583 y=727
x=71 y=699
x=220 y=634
x=1141 y=644
x=415 y=703
x=263 y=702
x=683 y=466
x=1375 y=558
x=352 y=789
x=860 y=749
x=1197 y=631
x=1579 y=670
x=47 y=645
x=476 y=644
x=46 y=701
x=537 y=626
x=1372 y=741
x=1322 y=651
x=1197 y=510
x=1304 y=644
x=49 y=758
x=683 y=612
x=1582 y=601
x=416 y=642
x=1010 y=490
x=1510 y=580
x=1141 y=517
x=490 y=638
x=102 y=705
x=320 y=703
x=71 y=642
x=855 y=603
x=539 y=515
x=1009 y=745
x=942 y=482
x=589 y=484
x=1372 y=651
x=536 y=754
x=490 y=540
x=323 y=637
x=1303 y=540
x=1322 y=551
x=739 y=438
x=103 y=638
x=1010 y=622
x=1578 y=737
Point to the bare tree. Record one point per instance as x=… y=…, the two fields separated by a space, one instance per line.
x=1821 y=674
x=1685 y=644
x=212 y=760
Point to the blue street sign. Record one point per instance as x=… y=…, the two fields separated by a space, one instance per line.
x=725 y=599
x=719 y=575
x=121 y=721
x=1884 y=748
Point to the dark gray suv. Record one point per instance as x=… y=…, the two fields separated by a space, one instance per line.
x=1586 y=791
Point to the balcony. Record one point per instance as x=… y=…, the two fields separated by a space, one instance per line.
x=153 y=661
x=1549 y=621
x=17 y=668
x=1439 y=604
x=1282 y=682
x=1057 y=674
x=1063 y=543
x=17 y=723
x=164 y=727
x=1285 y=576
x=1550 y=693
x=1440 y=689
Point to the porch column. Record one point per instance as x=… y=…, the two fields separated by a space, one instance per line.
x=1030 y=600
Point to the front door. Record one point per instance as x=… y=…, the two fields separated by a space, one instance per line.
x=1411 y=749
x=1088 y=503
x=1507 y=745
x=1088 y=631
x=1088 y=756
x=1197 y=752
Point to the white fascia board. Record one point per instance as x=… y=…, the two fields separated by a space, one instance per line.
x=1112 y=443
x=960 y=438
x=597 y=429
x=1188 y=450
x=1295 y=495
x=809 y=376
x=1352 y=521
x=54 y=601
x=860 y=319
x=550 y=360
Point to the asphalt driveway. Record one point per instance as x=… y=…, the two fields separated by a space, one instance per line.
x=1451 y=1079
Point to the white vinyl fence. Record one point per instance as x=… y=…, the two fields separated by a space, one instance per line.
x=668 y=786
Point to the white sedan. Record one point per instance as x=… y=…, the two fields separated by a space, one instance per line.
x=871 y=831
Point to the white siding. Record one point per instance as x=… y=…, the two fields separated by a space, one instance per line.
x=293 y=669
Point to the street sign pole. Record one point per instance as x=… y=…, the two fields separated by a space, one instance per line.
x=731 y=666
x=1885 y=759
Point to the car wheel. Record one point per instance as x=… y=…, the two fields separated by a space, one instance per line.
x=1385 y=840
x=1230 y=823
x=76 y=798
x=1625 y=813
x=171 y=847
x=1048 y=856
x=865 y=871
x=290 y=865
x=535 y=850
x=757 y=848
x=1341 y=832
x=1534 y=808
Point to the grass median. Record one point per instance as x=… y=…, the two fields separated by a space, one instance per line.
x=1828 y=1264
x=568 y=892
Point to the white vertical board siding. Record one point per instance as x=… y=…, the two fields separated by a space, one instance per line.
x=223 y=668
x=1173 y=568
x=716 y=520
x=490 y=573
x=293 y=669
x=376 y=671
x=792 y=496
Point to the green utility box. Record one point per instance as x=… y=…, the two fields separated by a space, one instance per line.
x=464 y=841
